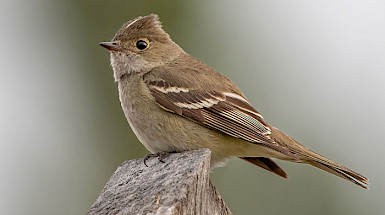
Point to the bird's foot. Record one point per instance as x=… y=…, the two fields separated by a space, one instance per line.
x=160 y=155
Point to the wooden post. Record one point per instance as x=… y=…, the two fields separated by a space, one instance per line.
x=181 y=185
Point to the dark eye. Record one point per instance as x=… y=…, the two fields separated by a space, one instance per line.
x=141 y=44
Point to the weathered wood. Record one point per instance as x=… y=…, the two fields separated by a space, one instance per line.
x=179 y=186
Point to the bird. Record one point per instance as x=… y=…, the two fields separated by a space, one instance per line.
x=174 y=102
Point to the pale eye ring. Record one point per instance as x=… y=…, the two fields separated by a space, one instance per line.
x=142 y=44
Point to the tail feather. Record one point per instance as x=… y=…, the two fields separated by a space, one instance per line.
x=343 y=172
x=307 y=156
x=321 y=162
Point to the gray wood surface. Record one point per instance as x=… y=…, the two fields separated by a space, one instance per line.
x=181 y=185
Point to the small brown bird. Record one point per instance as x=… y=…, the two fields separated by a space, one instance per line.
x=173 y=103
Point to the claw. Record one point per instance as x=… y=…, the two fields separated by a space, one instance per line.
x=148 y=157
x=161 y=156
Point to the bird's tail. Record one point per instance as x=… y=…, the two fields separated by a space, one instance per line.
x=343 y=172
x=309 y=157
x=332 y=167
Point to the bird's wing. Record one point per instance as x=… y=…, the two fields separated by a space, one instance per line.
x=223 y=110
x=266 y=163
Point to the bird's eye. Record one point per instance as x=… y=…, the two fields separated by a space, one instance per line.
x=141 y=44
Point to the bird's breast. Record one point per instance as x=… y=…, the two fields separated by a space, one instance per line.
x=162 y=131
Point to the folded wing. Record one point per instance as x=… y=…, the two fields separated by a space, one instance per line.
x=227 y=112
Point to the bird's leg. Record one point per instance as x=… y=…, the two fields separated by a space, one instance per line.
x=161 y=156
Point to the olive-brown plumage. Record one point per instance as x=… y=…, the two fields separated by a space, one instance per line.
x=173 y=102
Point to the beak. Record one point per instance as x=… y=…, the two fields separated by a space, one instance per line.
x=111 y=46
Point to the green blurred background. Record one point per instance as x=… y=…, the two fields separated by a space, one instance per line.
x=315 y=69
